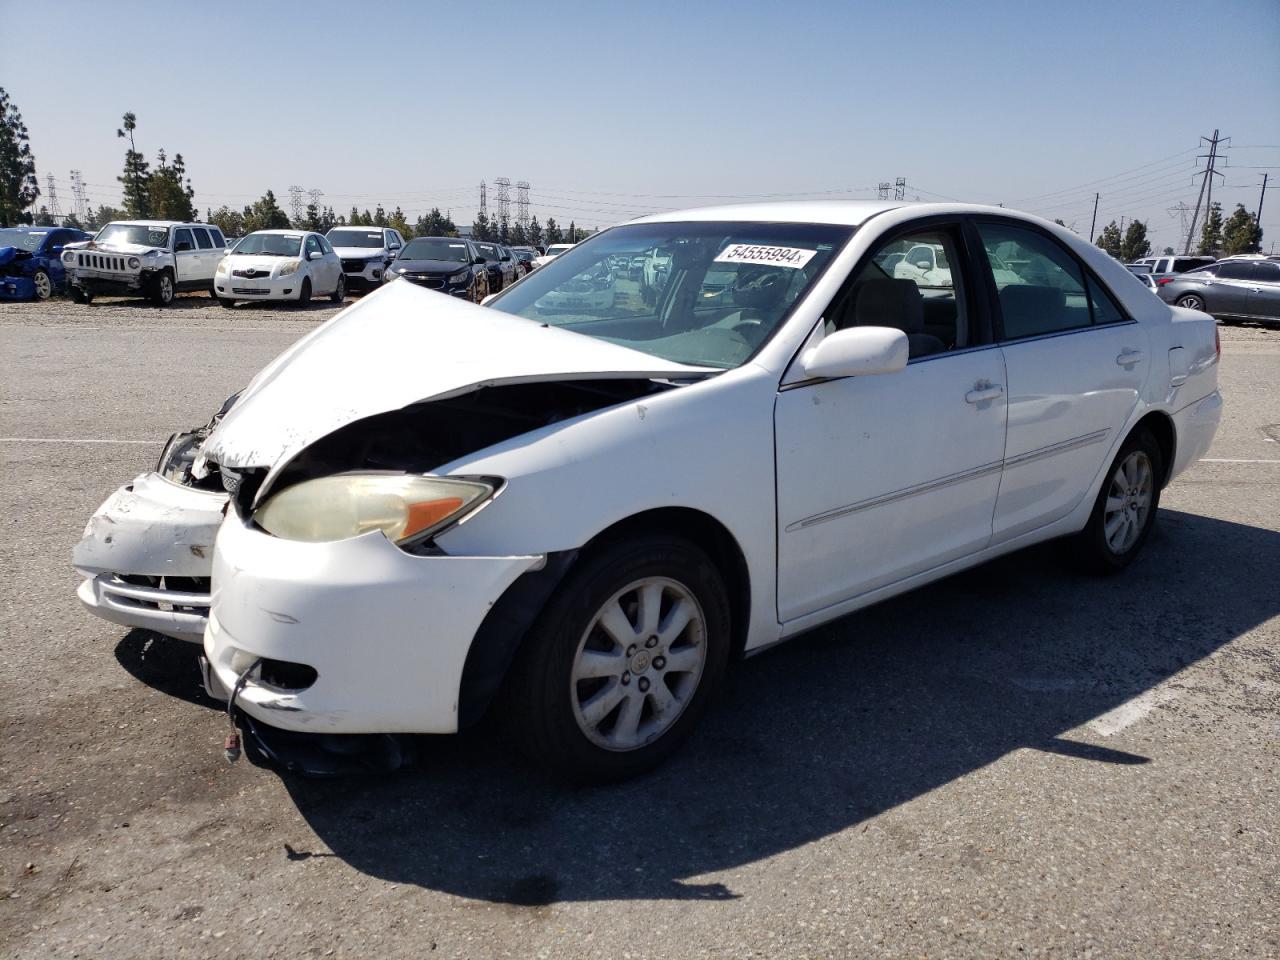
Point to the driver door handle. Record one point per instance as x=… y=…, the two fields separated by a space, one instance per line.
x=982 y=392
x=1129 y=357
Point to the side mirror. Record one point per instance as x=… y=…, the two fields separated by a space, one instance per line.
x=182 y=247
x=314 y=255
x=857 y=352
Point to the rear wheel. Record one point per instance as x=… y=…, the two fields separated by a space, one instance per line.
x=304 y=294
x=340 y=291
x=1126 y=507
x=44 y=286
x=621 y=663
x=162 y=289
x=1191 y=301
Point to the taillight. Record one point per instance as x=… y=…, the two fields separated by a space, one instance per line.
x=1161 y=281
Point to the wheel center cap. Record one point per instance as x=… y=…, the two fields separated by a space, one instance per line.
x=640 y=662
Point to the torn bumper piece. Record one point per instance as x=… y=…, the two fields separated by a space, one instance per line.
x=147 y=555
x=386 y=632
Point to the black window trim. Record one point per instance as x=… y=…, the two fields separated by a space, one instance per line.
x=997 y=319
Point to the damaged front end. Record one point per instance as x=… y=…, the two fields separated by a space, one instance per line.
x=147 y=552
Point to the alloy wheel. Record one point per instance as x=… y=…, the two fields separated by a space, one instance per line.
x=639 y=663
x=1128 y=503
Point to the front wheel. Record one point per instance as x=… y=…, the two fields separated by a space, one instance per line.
x=224 y=302
x=340 y=291
x=162 y=289
x=44 y=286
x=621 y=663
x=80 y=295
x=1126 y=507
x=304 y=294
x=1191 y=301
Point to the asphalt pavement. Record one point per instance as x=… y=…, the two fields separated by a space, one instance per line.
x=1019 y=761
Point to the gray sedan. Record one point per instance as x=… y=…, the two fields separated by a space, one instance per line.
x=1245 y=288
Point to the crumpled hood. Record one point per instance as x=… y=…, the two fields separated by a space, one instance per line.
x=361 y=253
x=135 y=249
x=396 y=347
x=8 y=255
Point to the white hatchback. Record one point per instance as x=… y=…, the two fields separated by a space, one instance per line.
x=280 y=265
x=581 y=509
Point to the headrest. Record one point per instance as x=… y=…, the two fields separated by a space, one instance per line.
x=889 y=303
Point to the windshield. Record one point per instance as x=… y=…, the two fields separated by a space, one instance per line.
x=558 y=248
x=355 y=238
x=487 y=250
x=138 y=233
x=707 y=294
x=435 y=248
x=22 y=239
x=269 y=245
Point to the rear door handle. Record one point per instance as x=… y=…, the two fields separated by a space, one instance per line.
x=984 y=392
x=1127 y=358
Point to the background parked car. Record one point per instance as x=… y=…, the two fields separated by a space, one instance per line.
x=30 y=261
x=521 y=268
x=1240 y=288
x=448 y=264
x=1171 y=264
x=502 y=272
x=526 y=256
x=280 y=265
x=366 y=252
x=553 y=251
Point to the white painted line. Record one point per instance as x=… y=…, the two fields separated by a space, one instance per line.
x=69 y=440
x=1212 y=460
x=1130 y=712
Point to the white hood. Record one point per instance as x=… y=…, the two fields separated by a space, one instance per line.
x=360 y=253
x=399 y=346
x=134 y=249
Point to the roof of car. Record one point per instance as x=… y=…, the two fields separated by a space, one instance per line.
x=162 y=223
x=851 y=213
x=285 y=233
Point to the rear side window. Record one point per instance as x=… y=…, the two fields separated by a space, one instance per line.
x=218 y=241
x=1267 y=272
x=1040 y=286
x=202 y=238
x=1235 y=270
x=1101 y=304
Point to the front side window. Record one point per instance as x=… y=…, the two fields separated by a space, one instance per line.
x=909 y=284
x=1039 y=285
x=707 y=294
x=1236 y=270
x=183 y=236
x=313 y=245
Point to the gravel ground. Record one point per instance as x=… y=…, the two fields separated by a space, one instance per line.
x=1016 y=762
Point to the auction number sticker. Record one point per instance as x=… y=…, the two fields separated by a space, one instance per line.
x=793 y=257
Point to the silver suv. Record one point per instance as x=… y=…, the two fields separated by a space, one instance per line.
x=366 y=252
x=152 y=258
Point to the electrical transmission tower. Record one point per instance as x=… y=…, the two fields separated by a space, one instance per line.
x=504 y=200
x=77 y=191
x=900 y=188
x=522 y=204
x=484 y=202
x=1206 y=184
x=1180 y=210
x=882 y=192
x=53 y=199
x=295 y=202
x=315 y=195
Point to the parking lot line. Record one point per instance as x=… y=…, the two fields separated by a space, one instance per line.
x=1130 y=712
x=1214 y=460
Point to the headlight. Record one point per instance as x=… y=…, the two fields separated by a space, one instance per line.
x=403 y=506
x=134 y=263
x=289 y=267
x=222 y=268
x=462 y=276
x=68 y=257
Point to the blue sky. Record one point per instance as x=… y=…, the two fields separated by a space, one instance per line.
x=611 y=110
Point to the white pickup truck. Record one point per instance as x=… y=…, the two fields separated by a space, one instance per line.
x=151 y=258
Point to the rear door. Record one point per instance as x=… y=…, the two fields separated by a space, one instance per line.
x=1075 y=366
x=186 y=258
x=1229 y=293
x=1264 y=291
x=208 y=254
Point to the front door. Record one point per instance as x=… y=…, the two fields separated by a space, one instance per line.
x=883 y=477
x=188 y=268
x=1075 y=367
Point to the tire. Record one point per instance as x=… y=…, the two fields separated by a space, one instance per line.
x=607 y=724
x=44 y=286
x=224 y=302
x=1191 y=301
x=1125 y=510
x=340 y=291
x=304 y=293
x=81 y=296
x=162 y=289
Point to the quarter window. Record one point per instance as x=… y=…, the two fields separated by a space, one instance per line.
x=1267 y=272
x=1040 y=286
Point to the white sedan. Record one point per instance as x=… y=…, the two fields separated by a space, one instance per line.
x=280 y=265
x=580 y=512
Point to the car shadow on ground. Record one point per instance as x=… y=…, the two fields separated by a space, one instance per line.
x=865 y=714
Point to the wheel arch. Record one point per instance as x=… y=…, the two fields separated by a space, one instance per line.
x=504 y=628
x=1160 y=425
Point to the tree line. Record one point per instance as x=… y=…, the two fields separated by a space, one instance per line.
x=1239 y=233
